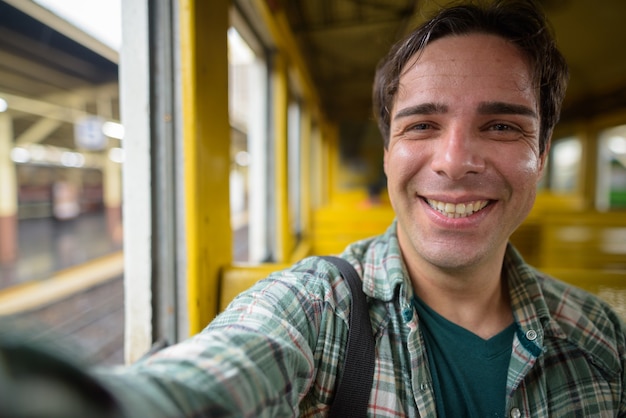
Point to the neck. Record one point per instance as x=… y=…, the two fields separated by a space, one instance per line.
x=479 y=303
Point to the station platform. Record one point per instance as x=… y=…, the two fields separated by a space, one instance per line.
x=68 y=282
x=47 y=246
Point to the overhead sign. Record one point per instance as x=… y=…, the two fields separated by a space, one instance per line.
x=88 y=133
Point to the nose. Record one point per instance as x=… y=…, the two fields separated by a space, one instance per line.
x=457 y=154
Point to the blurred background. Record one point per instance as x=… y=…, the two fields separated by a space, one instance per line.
x=157 y=158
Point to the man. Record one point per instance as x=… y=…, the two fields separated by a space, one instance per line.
x=463 y=327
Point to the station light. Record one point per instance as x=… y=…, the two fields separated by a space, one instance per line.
x=116 y=155
x=617 y=145
x=49 y=155
x=72 y=159
x=113 y=130
x=242 y=158
x=20 y=155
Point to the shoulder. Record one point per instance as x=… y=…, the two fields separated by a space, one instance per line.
x=585 y=320
x=570 y=303
x=311 y=286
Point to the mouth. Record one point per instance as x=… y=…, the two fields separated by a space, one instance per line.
x=457 y=210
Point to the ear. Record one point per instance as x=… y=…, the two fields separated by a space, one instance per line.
x=385 y=156
x=543 y=158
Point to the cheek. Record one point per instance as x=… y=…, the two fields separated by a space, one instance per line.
x=525 y=172
x=532 y=164
x=402 y=162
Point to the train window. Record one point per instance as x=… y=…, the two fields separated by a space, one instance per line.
x=564 y=165
x=61 y=259
x=611 y=185
x=248 y=109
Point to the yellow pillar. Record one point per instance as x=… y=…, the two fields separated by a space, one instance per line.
x=318 y=169
x=589 y=164
x=8 y=192
x=331 y=160
x=280 y=87
x=206 y=141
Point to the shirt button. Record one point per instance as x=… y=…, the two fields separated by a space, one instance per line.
x=531 y=335
x=407 y=314
x=515 y=413
x=424 y=387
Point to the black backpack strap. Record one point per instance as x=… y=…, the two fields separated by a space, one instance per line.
x=355 y=383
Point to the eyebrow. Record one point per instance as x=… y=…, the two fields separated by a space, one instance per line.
x=503 y=108
x=422 y=109
x=486 y=108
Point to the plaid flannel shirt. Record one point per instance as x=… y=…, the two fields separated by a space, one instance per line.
x=277 y=350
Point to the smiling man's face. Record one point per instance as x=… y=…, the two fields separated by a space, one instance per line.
x=463 y=159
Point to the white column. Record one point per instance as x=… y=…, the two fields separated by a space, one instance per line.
x=135 y=105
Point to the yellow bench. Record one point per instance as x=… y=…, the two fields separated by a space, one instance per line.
x=574 y=240
x=236 y=279
x=609 y=285
x=584 y=241
x=587 y=249
x=335 y=227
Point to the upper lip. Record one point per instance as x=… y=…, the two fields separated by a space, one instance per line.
x=455 y=199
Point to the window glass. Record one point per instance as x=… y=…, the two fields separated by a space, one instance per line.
x=611 y=186
x=248 y=177
x=61 y=222
x=564 y=165
x=294 y=167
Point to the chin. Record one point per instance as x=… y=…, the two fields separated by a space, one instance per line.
x=453 y=262
x=455 y=256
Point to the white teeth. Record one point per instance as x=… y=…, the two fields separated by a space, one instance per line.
x=460 y=210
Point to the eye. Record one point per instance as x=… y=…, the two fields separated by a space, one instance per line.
x=503 y=131
x=501 y=127
x=420 y=126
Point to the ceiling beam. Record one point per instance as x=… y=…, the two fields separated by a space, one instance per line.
x=42 y=108
x=37 y=52
x=62 y=26
x=40 y=72
x=38 y=131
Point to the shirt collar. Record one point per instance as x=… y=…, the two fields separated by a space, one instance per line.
x=383 y=268
x=527 y=302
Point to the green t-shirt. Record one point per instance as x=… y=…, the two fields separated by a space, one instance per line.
x=469 y=373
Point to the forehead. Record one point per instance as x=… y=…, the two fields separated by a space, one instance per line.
x=475 y=64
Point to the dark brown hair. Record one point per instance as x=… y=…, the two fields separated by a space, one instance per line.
x=521 y=22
